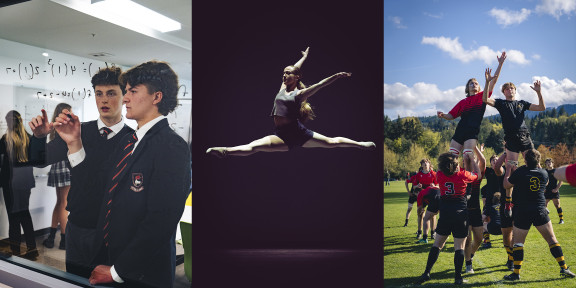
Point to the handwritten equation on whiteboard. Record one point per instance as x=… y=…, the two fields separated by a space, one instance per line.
x=74 y=94
x=27 y=71
x=55 y=69
x=84 y=93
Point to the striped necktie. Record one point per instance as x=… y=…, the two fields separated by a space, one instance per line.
x=127 y=149
x=104 y=131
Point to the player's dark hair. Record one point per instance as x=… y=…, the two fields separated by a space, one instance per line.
x=532 y=158
x=448 y=163
x=493 y=157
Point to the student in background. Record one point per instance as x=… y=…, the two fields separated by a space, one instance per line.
x=17 y=181
x=59 y=177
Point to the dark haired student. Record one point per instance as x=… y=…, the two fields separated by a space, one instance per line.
x=99 y=138
x=146 y=187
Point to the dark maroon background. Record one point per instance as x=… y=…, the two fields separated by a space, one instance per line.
x=307 y=198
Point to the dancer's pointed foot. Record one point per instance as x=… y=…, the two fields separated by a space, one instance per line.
x=368 y=146
x=219 y=152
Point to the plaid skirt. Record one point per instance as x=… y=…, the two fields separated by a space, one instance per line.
x=59 y=175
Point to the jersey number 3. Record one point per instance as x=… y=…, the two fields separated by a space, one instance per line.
x=534 y=184
x=449 y=188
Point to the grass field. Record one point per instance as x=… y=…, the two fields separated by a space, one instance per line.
x=404 y=260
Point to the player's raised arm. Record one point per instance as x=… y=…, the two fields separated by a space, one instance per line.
x=489 y=78
x=541 y=106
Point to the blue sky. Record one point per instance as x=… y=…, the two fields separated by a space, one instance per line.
x=432 y=48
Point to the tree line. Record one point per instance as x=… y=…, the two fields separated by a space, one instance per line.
x=411 y=139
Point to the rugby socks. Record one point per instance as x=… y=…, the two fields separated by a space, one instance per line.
x=509 y=251
x=432 y=257
x=519 y=257
x=469 y=262
x=406 y=223
x=559 y=210
x=454 y=151
x=556 y=251
x=486 y=236
x=458 y=262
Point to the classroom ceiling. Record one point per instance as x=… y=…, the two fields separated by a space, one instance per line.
x=50 y=25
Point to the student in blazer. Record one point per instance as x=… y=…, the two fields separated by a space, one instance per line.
x=99 y=138
x=147 y=187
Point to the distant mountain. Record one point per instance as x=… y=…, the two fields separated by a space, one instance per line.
x=569 y=108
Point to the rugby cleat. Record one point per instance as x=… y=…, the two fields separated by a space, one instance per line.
x=567 y=273
x=460 y=281
x=561 y=221
x=423 y=278
x=422 y=241
x=469 y=269
x=512 y=277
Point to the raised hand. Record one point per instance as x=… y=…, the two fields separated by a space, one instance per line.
x=40 y=125
x=536 y=86
x=68 y=127
x=305 y=53
x=343 y=74
x=488 y=76
x=501 y=58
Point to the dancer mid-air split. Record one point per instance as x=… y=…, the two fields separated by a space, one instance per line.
x=291 y=108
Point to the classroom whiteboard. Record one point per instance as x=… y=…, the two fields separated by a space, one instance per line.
x=30 y=82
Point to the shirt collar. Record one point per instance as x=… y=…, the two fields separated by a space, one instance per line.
x=115 y=128
x=141 y=131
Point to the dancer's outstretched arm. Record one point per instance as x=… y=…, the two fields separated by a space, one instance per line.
x=304 y=56
x=309 y=91
x=298 y=64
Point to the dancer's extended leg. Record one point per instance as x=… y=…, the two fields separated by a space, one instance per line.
x=321 y=141
x=271 y=143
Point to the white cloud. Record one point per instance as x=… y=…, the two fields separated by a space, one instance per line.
x=398 y=22
x=557 y=8
x=554 y=92
x=436 y=16
x=536 y=56
x=424 y=99
x=483 y=53
x=507 y=17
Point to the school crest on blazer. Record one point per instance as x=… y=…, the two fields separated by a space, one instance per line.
x=137 y=182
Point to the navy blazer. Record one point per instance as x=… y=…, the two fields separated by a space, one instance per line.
x=147 y=205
